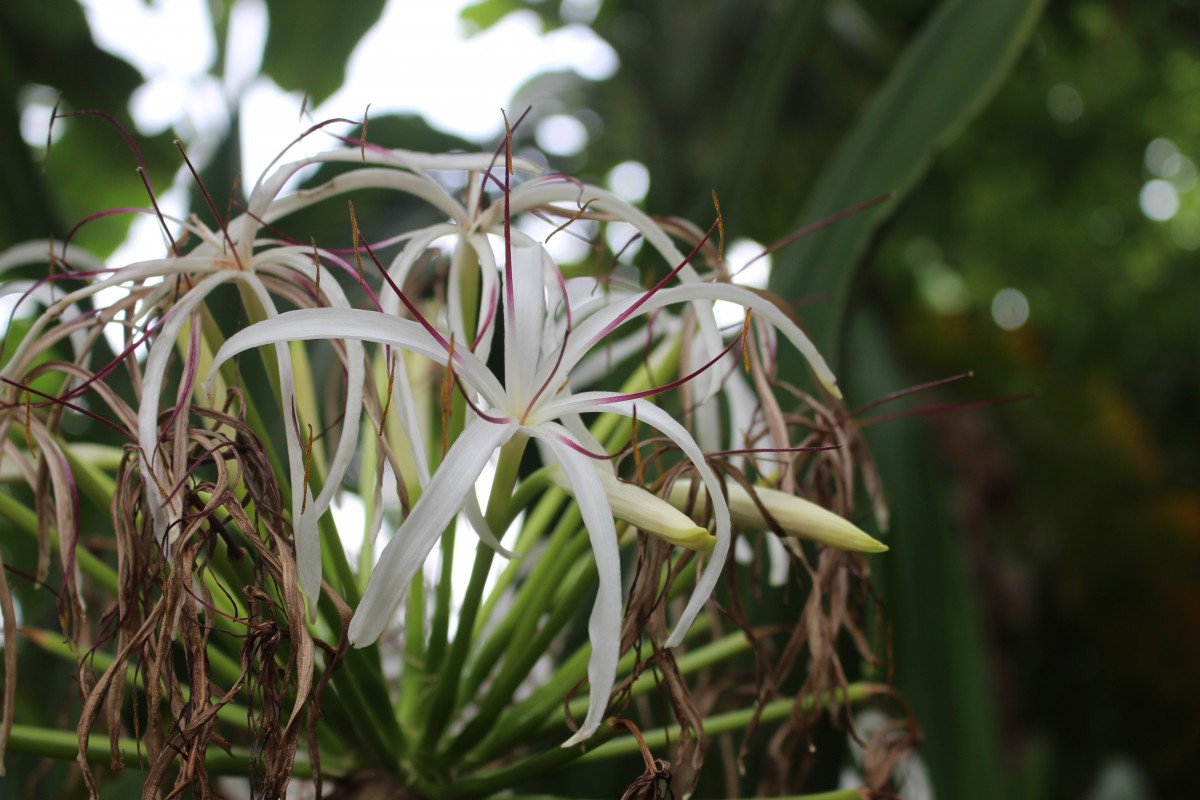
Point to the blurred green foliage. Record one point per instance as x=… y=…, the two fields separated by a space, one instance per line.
x=1074 y=517
x=1042 y=586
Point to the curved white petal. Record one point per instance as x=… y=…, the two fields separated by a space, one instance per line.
x=539 y=193
x=355 y=375
x=403 y=263
x=271 y=182
x=371 y=326
x=440 y=502
x=480 y=525
x=156 y=474
x=524 y=318
x=666 y=424
x=604 y=624
x=357 y=180
x=596 y=327
x=489 y=296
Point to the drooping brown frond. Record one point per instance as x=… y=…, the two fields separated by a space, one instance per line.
x=174 y=609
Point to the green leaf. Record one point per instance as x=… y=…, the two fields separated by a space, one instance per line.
x=309 y=42
x=486 y=13
x=90 y=168
x=939 y=659
x=945 y=76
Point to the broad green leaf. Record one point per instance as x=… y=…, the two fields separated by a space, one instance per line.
x=89 y=168
x=309 y=42
x=939 y=656
x=486 y=13
x=945 y=76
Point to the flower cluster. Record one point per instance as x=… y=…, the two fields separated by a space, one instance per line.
x=482 y=344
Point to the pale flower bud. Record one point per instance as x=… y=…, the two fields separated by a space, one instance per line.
x=648 y=512
x=796 y=516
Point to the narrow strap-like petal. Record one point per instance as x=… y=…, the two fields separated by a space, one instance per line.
x=370 y=326
x=604 y=624
x=401 y=560
x=669 y=427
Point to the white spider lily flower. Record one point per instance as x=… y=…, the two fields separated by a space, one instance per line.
x=648 y=512
x=41 y=292
x=796 y=516
x=522 y=405
x=542 y=192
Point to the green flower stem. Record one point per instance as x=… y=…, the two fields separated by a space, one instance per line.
x=304 y=384
x=335 y=567
x=773 y=712
x=529 y=716
x=439 y=628
x=65 y=745
x=704 y=657
x=840 y=794
x=536 y=593
x=368 y=449
x=51 y=642
x=92 y=566
x=97 y=456
x=579 y=580
x=414 y=653
x=363 y=693
x=550 y=500
x=485 y=658
x=489 y=783
x=352 y=709
x=536 y=715
x=211 y=339
x=446 y=693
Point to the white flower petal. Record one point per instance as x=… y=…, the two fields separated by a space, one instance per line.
x=401 y=560
x=479 y=523
x=524 y=317
x=539 y=193
x=666 y=424
x=604 y=624
x=372 y=326
x=156 y=473
x=595 y=328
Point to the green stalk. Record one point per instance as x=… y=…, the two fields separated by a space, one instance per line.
x=51 y=642
x=530 y=715
x=776 y=711
x=368 y=452
x=489 y=783
x=840 y=794
x=550 y=499
x=518 y=663
x=439 y=627
x=536 y=593
x=414 y=654
x=449 y=675
x=27 y=521
x=90 y=477
x=65 y=745
x=689 y=663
